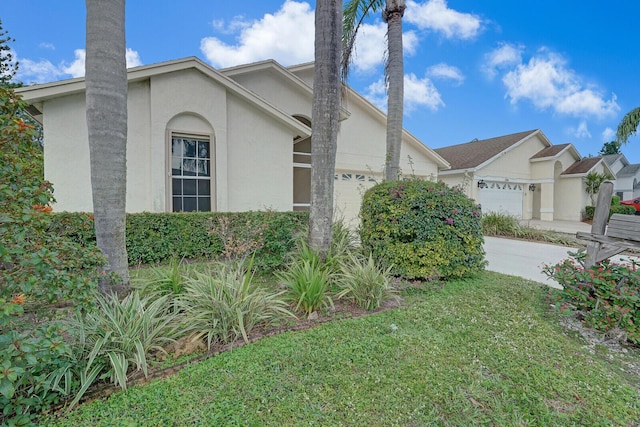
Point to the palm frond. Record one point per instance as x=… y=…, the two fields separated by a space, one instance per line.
x=354 y=14
x=628 y=125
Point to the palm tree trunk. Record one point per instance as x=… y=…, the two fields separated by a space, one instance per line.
x=324 y=117
x=106 y=103
x=395 y=77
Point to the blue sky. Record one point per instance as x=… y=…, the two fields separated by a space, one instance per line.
x=474 y=68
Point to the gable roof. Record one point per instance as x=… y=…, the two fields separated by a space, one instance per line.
x=273 y=65
x=584 y=166
x=612 y=158
x=35 y=95
x=477 y=153
x=629 y=170
x=552 y=151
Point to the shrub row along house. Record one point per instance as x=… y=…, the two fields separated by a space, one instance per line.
x=239 y=139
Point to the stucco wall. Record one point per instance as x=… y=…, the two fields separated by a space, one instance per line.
x=279 y=90
x=260 y=166
x=515 y=162
x=66 y=153
x=252 y=157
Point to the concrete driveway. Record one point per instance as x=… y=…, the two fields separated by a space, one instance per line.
x=522 y=258
x=526 y=259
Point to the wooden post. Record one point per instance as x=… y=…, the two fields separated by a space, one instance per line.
x=600 y=219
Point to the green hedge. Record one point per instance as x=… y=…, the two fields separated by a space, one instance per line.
x=159 y=237
x=620 y=209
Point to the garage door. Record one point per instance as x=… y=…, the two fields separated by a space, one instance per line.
x=503 y=198
x=349 y=187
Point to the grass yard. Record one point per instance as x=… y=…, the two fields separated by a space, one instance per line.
x=485 y=351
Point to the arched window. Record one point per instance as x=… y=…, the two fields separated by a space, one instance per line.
x=191 y=149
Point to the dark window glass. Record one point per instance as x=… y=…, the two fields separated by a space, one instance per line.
x=176 y=185
x=191 y=171
x=190 y=204
x=189 y=148
x=204 y=204
x=177 y=204
x=204 y=187
x=189 y=187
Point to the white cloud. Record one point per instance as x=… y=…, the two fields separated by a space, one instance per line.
x=44 y=71
x=417 y=93
x=608 y=135
x=436 y=16
x=420 y=92
x=446 y=72
x=371 y=45
x=76 y=68
x=506 y=55
x=45 y=45
x=38 y=71
x=238 y=23
x=548 y=83
x=132 y=58
x=286 y=36
x=582 y=131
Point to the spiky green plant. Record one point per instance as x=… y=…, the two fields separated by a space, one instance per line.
x=363 y=283
x=165 y=280
x=120 y=334
x=307 y=285
x=227 y=303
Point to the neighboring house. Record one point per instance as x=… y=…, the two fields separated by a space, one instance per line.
x=218 y=140
x=523 y=175
x=627 y=176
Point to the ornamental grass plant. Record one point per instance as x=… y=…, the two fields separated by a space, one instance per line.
x=118 y=336
x=226 y=304
x=364 y=284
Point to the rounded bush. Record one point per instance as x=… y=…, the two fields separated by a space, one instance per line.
x=422 y=229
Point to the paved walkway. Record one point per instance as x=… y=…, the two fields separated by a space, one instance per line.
x=522 y=258
x=570 y=227
x=526 y=259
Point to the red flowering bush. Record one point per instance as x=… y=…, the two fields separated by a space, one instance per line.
x=422 y=229
x=608 y=293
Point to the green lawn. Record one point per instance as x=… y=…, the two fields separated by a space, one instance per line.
x=477 y=352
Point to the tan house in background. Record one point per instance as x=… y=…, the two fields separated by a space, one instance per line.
x=218 y=140
x=523 y=175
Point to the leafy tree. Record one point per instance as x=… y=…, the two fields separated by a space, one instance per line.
x=628 y=125
x=325 y=117
x=593 y=180
x=106 y=99
x=8 y=64
x=611 y=147
x=354 y=13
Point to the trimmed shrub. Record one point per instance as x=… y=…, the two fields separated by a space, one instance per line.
x=160 y=237
x=620 y=209
x=422 y=229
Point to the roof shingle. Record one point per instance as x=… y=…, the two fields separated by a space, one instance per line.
x=582 y=166
x=474 y=153
x=550 y=151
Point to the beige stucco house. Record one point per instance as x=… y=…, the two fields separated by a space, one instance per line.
x=218 y=140
x=523 y=175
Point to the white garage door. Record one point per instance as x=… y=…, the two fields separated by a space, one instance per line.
x=349 y=187
x=503 y=198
